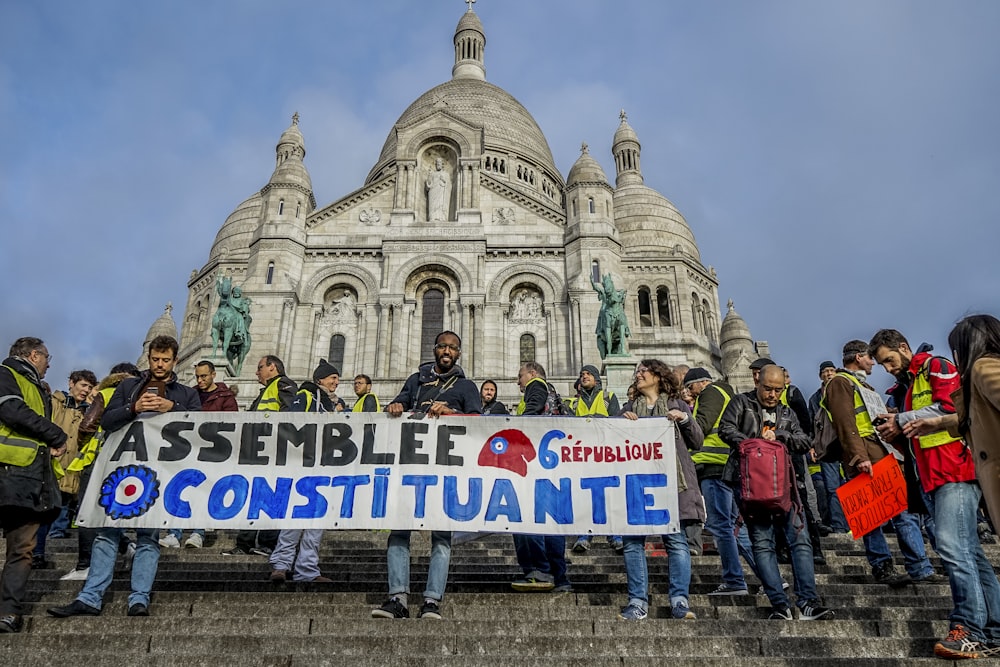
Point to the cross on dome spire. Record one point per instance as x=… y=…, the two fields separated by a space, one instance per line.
x=584 y=148
x=295 y=118
x=623 y=116
x=470 y=3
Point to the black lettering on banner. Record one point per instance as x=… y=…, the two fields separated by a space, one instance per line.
x=251 y=445
x=221 y=448
x=369 y=455
x=179 y=447
x=288 y=434
x=408 y=443
x=338 y=449
x=134 y=441
x=445 y=444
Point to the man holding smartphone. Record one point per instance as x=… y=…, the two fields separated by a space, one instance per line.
x=155 y=390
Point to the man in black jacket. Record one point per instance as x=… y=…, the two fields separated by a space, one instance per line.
x=437 y=389
x=29 y=493
x=760 y=414
x=156 y=390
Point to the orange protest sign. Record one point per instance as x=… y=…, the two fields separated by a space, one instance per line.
x=870 y=501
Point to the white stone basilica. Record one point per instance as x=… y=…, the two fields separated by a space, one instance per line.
x=463 y=223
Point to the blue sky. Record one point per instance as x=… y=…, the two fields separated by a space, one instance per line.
x=837 y=161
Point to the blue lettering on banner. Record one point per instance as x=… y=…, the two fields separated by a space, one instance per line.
x=598 y=497
x=316 y=505
x=172 y=500
x=453 y=507
x=503 y=502
x=546 y=456
x=638 y=502
x=381 y=492
x=273 y=502
x=217 y=507
x=420 y=484
x=556 y=502
x=349 y=482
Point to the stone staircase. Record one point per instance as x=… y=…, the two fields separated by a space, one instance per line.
x=209 y=609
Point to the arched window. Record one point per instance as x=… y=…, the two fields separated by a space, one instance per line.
x=663 y=305
x=281 y=206
x=706 y=322
x=336 y=357
x=645 y=312
x=298 y=206
x=695 y=317
x=595 y=271
x=590 y=204
x=574 y=209
x=527 y=348
x=270 y=274
x=432 y=322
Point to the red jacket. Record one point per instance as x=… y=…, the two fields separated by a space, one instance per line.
x=221 y=400
x=951 y=462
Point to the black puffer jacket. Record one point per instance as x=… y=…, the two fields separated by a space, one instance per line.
x=743 y=420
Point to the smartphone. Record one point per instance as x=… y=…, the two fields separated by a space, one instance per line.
x=152 y=390
x=878 y=421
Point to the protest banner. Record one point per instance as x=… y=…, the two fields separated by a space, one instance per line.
x=270 y=470
x=870 y=501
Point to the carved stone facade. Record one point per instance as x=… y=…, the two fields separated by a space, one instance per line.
x=464 y=223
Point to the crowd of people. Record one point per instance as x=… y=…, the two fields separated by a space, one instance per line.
x=940 y=422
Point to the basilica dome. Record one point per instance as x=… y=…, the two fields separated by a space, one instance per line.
x=236 y=233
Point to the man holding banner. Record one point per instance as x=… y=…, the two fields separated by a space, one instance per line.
x=436 y=389
x=156 y=390
x=845 y=400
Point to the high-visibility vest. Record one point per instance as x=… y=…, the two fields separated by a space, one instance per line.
x=270 y=400
x=88 y=452
x=521 y=406
x=360 y=404
x=599 y=407
x=17 y=449
x=713 y=450
x=862 y=420
x=920 y=397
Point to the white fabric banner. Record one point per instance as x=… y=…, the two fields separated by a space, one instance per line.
x=266 y=470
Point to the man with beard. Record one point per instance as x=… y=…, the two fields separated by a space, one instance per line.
x=156 y=390
x=437 y=388
x=29 y=494
x=488 y=394
x=860 y=448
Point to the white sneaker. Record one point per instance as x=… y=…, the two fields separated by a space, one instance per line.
x=75 y=575
x=194 y=542
x=170 y=541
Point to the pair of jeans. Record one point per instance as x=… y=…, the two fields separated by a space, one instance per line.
x=542 y=556
x=19 y=530
x=793 y=525
x=975 y=591
x=102 y=565
x=248 y=540
x=832 y=480
x=637 y=572
x=398 y=563
x=911 y=544
x=177 y=532
x=720 y=505
x=307 y=561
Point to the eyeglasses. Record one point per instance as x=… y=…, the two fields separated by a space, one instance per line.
x=447 y=346
x=639 y=371
x=48 y=357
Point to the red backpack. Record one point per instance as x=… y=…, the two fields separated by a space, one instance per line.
x=766 y=477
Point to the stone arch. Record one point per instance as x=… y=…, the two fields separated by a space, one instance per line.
x=545 y=279
x=402 y=279
x=360 y=279
x=454 y=139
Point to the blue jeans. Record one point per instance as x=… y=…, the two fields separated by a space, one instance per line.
x=637 y=573
x=975 y=591
x=832 y=481
x=102 y=565
x=177 y=532
x=762 y=536
x=720 y=505
x=398 y=562
x=543 y=557
x=911 y=544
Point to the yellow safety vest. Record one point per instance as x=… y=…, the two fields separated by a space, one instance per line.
x=90 y=449
x=17 y=449
x=270 y=400
x=862 y=420
x=598 y=407
x=920 y=397
x=713 y=450
x=360 y=404
x=521 y=406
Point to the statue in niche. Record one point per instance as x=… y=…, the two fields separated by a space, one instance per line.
x=231 y=323
x=612 y=323
x=438 y=187
x=525 y=305
x=344 y=308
